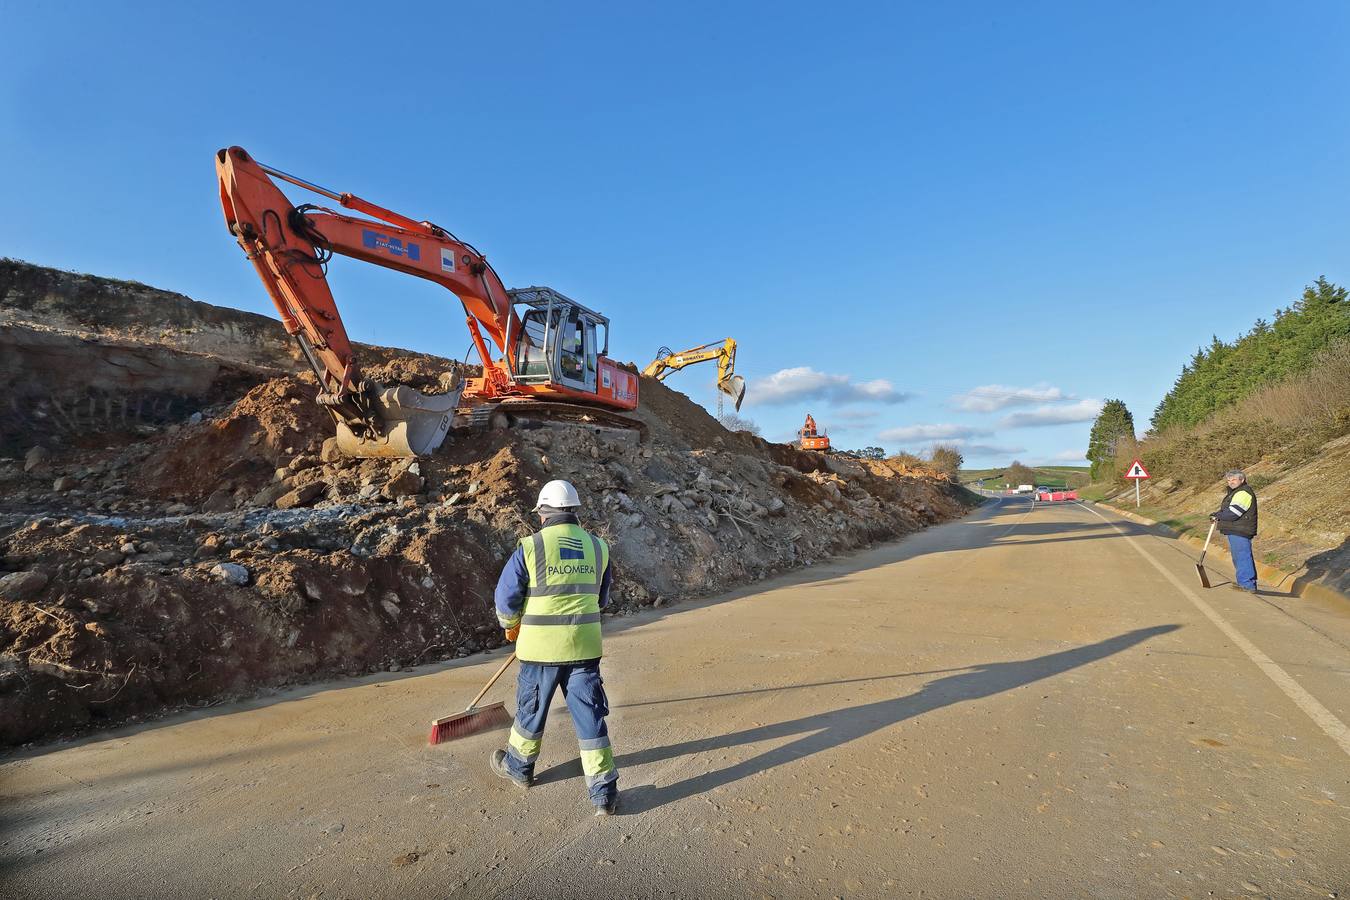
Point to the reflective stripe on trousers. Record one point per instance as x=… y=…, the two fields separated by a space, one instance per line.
x=584 y=692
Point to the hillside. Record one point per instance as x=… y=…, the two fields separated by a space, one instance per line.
x=1293 y=440
x=174 y=530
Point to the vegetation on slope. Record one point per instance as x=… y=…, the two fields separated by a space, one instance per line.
x=1223 y=374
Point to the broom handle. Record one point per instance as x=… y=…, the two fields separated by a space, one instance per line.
x=1212 y=525
x=493 y=680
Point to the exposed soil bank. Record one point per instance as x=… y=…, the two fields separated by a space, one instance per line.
x=175 y=531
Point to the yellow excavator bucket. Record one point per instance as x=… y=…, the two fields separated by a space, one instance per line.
x=734 y=387
x=415 y=424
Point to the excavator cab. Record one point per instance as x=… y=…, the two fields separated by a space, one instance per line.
x=560 y=341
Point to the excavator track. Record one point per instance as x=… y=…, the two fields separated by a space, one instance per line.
x=516 y=413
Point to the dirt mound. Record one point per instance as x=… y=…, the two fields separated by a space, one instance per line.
x=230 y=552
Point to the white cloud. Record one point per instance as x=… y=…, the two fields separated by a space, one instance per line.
x=803 y=383
x=937 y=432
x=993 y=397
x=971 y=449
x=853 y=415
x=1069 y=456
x=1082 y=411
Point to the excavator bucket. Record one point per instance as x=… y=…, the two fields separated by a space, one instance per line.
x=415 y=424
x=734 y=387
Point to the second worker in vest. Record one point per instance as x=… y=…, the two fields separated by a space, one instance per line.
x=1237 y=522
x=549 y=599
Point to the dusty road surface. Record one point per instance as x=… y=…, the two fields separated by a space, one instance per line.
x=1030 y=702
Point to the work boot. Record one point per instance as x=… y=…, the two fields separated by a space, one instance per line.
x=498 y=764
x=609 y=808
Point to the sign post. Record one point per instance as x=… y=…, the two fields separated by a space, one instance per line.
x=1137 y=473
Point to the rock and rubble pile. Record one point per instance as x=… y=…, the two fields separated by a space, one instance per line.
x=232 y=550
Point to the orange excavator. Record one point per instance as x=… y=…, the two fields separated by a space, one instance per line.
x=553 y=363
x=810 y=439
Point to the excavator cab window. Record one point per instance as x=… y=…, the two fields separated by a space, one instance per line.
x=558 y=344
x=576 y=350
x=531 y=362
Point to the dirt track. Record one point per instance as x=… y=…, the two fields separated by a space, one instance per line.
x=1020 y=703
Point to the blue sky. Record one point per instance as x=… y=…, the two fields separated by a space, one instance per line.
x=889 y=206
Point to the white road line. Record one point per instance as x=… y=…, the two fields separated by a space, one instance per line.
x=1325 y=719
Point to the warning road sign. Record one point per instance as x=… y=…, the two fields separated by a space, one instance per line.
x=1137 y=470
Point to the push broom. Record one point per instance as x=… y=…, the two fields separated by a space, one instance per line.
x=1200 y=566
x=475 y=718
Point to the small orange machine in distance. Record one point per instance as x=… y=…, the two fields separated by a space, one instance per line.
x=810 y=439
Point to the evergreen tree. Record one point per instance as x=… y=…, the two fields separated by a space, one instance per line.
x=1222 y=374
x=1113 y=423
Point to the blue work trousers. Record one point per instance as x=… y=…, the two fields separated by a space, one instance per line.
x=1240 y=548
x=584 y=692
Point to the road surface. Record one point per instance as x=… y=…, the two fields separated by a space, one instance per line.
x=1030 y=702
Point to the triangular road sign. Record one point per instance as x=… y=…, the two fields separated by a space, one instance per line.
x=1137 y=470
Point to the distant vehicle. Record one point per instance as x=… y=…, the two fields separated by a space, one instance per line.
x=1025 y=489
x=1055 y=496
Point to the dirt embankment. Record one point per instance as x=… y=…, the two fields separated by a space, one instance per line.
x=1304 y=516
x=219 y=548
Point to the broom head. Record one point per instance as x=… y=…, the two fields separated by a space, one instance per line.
x=472 y=721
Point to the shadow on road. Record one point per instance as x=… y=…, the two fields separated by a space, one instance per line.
x=828 y=730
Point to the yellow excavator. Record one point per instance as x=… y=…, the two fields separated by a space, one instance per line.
x=728 y=382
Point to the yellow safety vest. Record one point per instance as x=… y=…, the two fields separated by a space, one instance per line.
x=561 y=620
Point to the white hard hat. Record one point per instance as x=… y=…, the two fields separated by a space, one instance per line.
x=558 y=494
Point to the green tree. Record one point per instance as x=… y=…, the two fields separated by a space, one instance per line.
x=1018 y=473
x=1222 y=374
x=1113 y=423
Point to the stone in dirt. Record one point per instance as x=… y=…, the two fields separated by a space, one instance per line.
x=220 y=501
x=65 y=483
x=21 y=585
x=301 y=496
x=230 y=573
x=109 y=557
x=404 y=482
x=35 y=457
x=330 y=452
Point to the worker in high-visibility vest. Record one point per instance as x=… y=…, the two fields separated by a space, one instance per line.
x=549 y=599
x=1237 y=522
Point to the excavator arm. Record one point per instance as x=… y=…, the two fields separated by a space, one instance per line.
x=289 y=247
x=728 y=382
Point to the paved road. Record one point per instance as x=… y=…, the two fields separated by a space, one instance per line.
x=1031 y=702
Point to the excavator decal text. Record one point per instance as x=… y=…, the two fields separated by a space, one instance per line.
x=376 y=241
x=623 y=387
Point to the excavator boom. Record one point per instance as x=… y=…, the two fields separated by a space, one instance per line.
x=728 y=382
x=290 y=246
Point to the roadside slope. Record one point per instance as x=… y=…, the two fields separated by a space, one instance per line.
x=190 y=539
